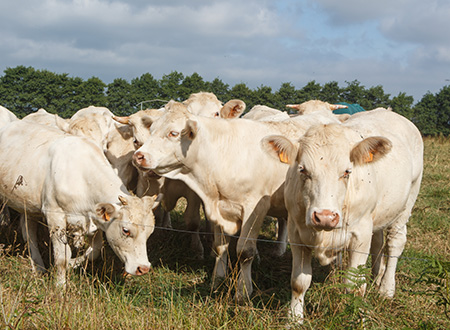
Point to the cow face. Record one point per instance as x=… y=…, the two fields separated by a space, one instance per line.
x=326 y=159
x=323 y=167
x=127 y=227
x=170 y=137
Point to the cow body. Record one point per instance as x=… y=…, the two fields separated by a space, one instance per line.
x=225 y=163
x=346 y=186
x=67 y=180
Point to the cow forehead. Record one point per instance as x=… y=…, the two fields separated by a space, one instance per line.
x=325 y=145
x=171 y=119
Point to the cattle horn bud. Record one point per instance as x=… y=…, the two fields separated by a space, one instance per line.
x=123 y=200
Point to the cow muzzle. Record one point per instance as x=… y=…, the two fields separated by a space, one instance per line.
x=140 y=160
x=325 y=220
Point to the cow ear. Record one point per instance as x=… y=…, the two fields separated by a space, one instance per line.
x=370 y=150
x=232 y=109
x=147 y=121
x=280 y=148
x=105 y=211
x=190 y=130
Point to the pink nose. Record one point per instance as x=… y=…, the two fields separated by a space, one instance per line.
x=141 y=270
x=138 y=158
x=325 y=219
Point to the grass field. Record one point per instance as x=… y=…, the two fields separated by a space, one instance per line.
x=177 y=293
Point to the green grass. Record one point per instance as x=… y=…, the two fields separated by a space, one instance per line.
x=177 y=293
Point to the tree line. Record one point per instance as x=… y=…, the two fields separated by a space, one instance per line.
x=24 y=90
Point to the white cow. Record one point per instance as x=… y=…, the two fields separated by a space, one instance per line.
x=44 y=118
x=226 y=164
x=66 y=179
x=202 y=104
x=265 y=113
x=346 y=183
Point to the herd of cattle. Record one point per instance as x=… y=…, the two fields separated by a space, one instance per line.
x=334 y=182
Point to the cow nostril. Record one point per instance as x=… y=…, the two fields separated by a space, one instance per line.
x=141 y=270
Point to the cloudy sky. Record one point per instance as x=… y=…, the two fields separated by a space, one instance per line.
x=403 y=45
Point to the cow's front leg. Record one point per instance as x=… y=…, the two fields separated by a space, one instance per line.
x=301 y=274
x=359 y=249
x=61 y=252
x=220 y=248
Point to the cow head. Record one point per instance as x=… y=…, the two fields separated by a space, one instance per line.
x=127 y=226
x=323 y=168
x=169 y=140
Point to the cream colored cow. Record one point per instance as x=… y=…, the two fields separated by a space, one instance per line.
x=67 y=180
x=225 y=163
x=347 y=186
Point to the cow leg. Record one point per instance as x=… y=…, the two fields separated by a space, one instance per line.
x=61 y=249
x=220 y=248
x=192 y=219
x=281 y=237
x=378 y=260
x=95 y=243
x=395 y=241
x=246 y=248
x=29 y=233
x=301 y=274
x=359 y=249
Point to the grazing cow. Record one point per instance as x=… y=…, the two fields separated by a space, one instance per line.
x=224 y=162
x=347 y=185
x=67 y=180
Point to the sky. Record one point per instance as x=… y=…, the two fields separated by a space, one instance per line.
x=402 y=45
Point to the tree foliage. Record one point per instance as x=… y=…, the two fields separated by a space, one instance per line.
x=24 y=90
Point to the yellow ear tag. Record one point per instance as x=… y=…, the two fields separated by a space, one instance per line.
x=369 y=158
x=106 y=216
x=283 y=157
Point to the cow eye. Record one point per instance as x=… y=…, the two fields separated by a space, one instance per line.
x=173 y=134
x=126 y=231
x=347 y=173
x=216 y=114
x=136 y=143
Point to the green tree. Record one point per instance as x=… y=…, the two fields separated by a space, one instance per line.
x=191 y=84
x=286 y=94
x=375 y=97
x=169 y=86
x=119 y=99
x=443 y=111
x=145 y=88
x=330 y=92
x=402 y=104
x=263 y=95
x=311 y=91
x=219 y=88
x=354 y=93
x=426 y=115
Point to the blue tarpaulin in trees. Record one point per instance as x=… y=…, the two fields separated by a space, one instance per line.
x=352 y=108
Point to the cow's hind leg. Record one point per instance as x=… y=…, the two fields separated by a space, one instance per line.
x=29 y=233
x=395 y=241
x=220 y=248
x=192 y=219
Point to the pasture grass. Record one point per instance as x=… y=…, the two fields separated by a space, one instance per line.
x=178 y=294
